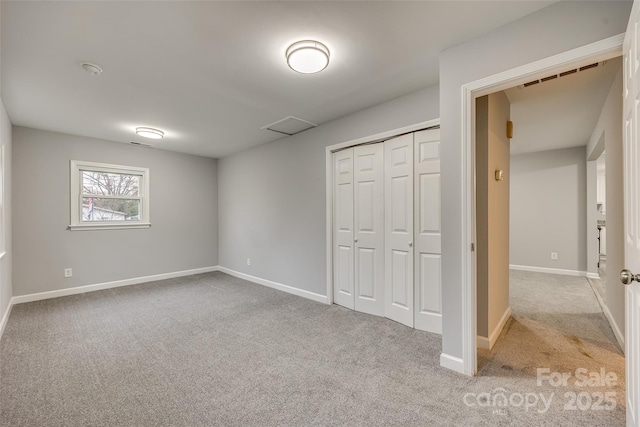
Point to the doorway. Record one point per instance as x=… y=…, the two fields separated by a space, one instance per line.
x=599 y=51
x=552 y=317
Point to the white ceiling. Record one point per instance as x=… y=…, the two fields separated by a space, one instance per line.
x=560 y=113
x=211 y=74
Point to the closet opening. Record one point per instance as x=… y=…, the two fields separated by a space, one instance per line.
x=383 y=227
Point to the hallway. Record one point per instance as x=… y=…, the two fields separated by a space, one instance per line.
x=557 y=325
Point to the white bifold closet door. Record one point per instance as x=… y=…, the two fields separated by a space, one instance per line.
x=386 y=250
x=398 y=188
x=343 y=234
x=428 y=312
x=359 y=229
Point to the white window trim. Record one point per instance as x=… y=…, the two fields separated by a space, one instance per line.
x=76 y=195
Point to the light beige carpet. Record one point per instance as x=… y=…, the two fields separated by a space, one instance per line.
x=214 y=350
x=557 y=324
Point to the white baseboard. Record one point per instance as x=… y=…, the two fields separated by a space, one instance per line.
x=488 y=343
x=5 y=317
x=275 y=285
x=549 y=270
x=593 y=275
x=607 y=313
x=108 y=285
x=137 y=280
x=428 y=321
x=614 y=326
x=452 y=362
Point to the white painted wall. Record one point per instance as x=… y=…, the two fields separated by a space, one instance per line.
x=183 y=197
x=609 y=128
x=549 y=209
x=558 y=28
x=272 y=198
x=6 y=291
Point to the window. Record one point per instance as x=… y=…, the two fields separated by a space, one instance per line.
x=108 y=196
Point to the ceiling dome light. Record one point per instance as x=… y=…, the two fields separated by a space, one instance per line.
x=308 y=57
x=92 y=69
x=150 y=133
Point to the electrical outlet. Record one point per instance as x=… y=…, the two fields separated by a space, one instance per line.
x=68 y=272
x=554 y=255
x=248 y=261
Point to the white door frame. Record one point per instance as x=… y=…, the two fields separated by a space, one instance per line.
x=378 y=137
x=594 y=52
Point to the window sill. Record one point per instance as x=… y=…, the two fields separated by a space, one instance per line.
x=85 y=227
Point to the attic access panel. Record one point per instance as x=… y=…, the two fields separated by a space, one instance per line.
x=290 y=126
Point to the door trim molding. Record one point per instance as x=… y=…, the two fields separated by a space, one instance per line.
x=329 y=185
x=601 y=50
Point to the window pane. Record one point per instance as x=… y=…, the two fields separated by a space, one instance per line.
x=110 y=184
x=97 y=209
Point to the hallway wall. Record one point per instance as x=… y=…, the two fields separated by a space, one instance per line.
x=492 y=216
x=548 y=210
x=609 y=129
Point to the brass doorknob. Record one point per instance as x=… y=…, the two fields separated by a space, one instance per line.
x=626 y=277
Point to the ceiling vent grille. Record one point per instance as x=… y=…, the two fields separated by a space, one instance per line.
x=290 y=126
x=564 y=73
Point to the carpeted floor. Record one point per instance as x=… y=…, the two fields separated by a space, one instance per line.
x=211 y=349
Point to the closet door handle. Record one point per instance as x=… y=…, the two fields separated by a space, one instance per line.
x=410 y=244
x=355 y=240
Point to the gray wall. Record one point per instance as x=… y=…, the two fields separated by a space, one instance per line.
x=609 y=129
x=592 y=218
x=5 y=264
x=555 y=29
x=549 y=209
x=183 y=195
x=492 y=211
x=272 y=198
x=615 y=203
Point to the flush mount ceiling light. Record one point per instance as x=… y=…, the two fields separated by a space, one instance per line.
x=150 y=133
x=92 y=69
x=308 y=56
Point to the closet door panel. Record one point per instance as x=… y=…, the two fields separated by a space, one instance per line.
x=343 y=231
x=399 y=293
x=428 y=309
x=366 y=273
x=429 y=296
x=369 y=228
